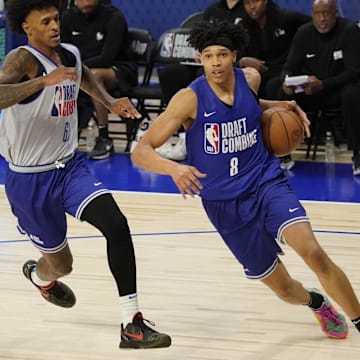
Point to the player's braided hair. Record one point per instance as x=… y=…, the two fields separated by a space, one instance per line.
x=207 y=33
x=17 y=10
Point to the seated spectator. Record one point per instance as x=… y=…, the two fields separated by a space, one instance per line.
x=326 y=50
x=100 y=31
x=228 y=10
x=67 y=4
x=271 y=30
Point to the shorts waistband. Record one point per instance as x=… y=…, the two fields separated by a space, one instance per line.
x=58 y=164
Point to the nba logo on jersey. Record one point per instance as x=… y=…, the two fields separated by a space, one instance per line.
x=65 y=102
x=211 y=141
x=167 y=45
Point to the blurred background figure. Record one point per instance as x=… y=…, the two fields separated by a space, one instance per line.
x=100 y=31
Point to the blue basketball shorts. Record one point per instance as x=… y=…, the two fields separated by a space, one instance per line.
x=41 y=200
x=253 y=228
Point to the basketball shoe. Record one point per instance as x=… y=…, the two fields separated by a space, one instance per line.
x=56 y=293
x=286 y=162
x=356 y=164
x=104 y=147
x=137 y=335
x=178 y=151
x=332 y=323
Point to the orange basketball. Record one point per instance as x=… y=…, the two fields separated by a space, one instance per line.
x=282 y=130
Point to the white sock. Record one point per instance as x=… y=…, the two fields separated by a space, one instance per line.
x=129 y=307
x=36 y=280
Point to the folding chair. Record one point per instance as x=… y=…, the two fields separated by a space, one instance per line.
x=324 y=120
x=172 y=47
x=141 y=44
x=192 y=19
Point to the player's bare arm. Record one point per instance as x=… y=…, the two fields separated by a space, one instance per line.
x=181 y=110
x=253 y=78
x=122 y=106
x=19 y=64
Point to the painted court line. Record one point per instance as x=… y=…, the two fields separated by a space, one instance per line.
x=320 y=231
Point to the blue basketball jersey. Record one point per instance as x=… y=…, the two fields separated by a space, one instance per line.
x=225 y=142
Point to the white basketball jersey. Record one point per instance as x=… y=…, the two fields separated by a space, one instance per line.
x=42 y=128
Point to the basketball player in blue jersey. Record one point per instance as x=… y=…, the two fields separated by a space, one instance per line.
x=244 y=192
x=47 y=177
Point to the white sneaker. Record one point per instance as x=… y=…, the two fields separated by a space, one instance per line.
x=178 y=152
x=164 y=149
x=286 y=162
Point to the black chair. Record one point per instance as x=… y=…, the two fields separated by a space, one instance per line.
x=141 y=44
x=323 y=120
x=172 y=47
x=192 y=19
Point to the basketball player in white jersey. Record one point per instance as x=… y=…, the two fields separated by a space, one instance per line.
x=47 y=177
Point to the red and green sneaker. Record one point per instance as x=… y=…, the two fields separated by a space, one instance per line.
x=332 y=323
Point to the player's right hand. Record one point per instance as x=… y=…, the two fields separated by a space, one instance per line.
x=187 y=180
x=60 y=74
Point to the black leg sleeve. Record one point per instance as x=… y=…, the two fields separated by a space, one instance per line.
x=105 y=215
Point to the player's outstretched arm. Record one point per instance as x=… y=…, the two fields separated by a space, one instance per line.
x=122 y=106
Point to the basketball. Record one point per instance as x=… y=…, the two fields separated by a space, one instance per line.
x=282 y=130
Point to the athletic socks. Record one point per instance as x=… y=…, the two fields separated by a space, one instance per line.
x=103 y=131
x=356 y=322
x=37 y=281
x=316 y=300
x=129 y=307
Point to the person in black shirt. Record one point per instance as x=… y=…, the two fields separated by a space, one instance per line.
x=271 y=30
x=100 y=31
x=67 y=4
x=229 y=10
x=326 y=50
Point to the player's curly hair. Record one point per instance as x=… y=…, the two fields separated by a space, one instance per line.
x=206 y=33
x=16 y=11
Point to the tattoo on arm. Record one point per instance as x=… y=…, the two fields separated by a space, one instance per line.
x=18 y=64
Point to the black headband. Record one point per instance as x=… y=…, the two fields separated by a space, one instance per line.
x=219 y=40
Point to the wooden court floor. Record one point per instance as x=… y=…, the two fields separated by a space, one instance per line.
x=188 y=283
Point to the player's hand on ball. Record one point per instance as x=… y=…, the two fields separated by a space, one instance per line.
x=292 y=105
x=125 y=108
x=187 y=180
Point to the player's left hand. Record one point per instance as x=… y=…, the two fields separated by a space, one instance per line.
x=125 y=108
x=187 y=179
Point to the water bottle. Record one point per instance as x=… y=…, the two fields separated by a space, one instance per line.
x=91 y=135
x=329 y=147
